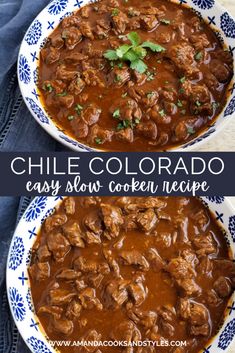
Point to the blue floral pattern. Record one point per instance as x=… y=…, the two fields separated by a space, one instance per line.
x=37 y=111
x=57 y=6
x=216 y=199
x=227 y=335
x=36 y=76
x=30 y=301
x=17 y=253
x=230 y=108
x=199 y=139
x=24 y=70
x=17 y=304
x=35 y=208
x=48 y=213
x=204 y=4
x=34 y=33
x=227 y=25
x=37 y=346
x=231 y=226
x=67 y=14
x=28 y=258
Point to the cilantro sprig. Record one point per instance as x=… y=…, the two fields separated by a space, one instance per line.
x=134 y=53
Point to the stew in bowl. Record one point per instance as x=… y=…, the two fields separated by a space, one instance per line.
x=129 y=76
x=130 y=269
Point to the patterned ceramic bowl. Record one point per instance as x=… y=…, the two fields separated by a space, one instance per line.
x=36 y=36
x=18 y=288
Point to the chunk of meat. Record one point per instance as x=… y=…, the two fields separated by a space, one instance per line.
x=95 y=280
x=147 y=220
x=73 y=233
x=199 y=41
x=75 y=58
x=179 y=268
x=86 y=30
x=120 y=22
x=127 y=109
x=65 y=101
x=63 y=326
x=228 y=267
x=92 y=77
x=43 y=253
x=73 y=310
x=116 y=294
x=212 y=298
x=61 y=296
x=54 y=311
x=50 y=55
x=126 y=331
x=181 y=225
x=222 y=286
x=76 y=86
x=201 y=100
x=182 y=55
x=134 y=257
x=91 y=114
x=188 y=286
x=64 y=74
x=113 y=219
x=137 y=292
x=89 y=300
x=125 y=135
x=205 y=244
x=57 y=41
x=54 y=221
x=68 y=274
x=205 y=266
x=147 y=319
x=145 y=203
x=58 y=245
x=70 y=21
x=72 y=36
x=92 y=238
x=119 y=76
x=148 y=22
x=84 y=265
x=147 y=129
x=40 y=271
x=109 y=257
x=156 y=262
x=69 y=205
x=104 y=135
x=91 y=336
x=201 y=219
x=220 y=71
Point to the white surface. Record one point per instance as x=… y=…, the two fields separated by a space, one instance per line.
x=225 y=140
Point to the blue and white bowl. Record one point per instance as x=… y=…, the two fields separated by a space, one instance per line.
x=220 y=20
x=18 y=288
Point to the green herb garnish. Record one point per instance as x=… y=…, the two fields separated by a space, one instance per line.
x=182 y=79
x=124 y=95
x=133 y=53
x=198 y=104
x=198 y=56
x=63 y=94
x=191 y=130
x=98 y=141
x=78 y=108
x=162 y=113
x=70 y=117
x=179 y=103
x=47 y=87
x=165 y=22
x=150 y=95
x=183 y=111
x=115 y=12
x=116 y=114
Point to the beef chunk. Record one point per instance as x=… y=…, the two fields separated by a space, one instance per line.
x=86 y=30
x=155 y=260
x=72 y=36
x=181 y=225
x=55 y=221
x=116 y=293
x=68 y=274
x=147 y=319
x=92 y=238
x=70 y=21
x=134 y=257
x=50 y=55
x=148 y=22
x=73 y=310
x=127 y=109
x=104 y=135
x=63 y=326
x=40 y=271
x=199 y=41
x=147 y=220
x=119 y=76
x=189 y=286
x=184 y=308
x=125 y=135
x=222 y=287
x=92 y=77
x=147 y=129
x=89 y=300
x=61 y=296
x=167 y=328
x=91 y=114
x=163 y=239
x=69 y=205
x=80 y=128
x=54 y=311
x=95 y=280
x=58 y=245
x=65 y=101
x=57 y=41
x=220 y=71
x=212 y=298
x=91 y=336
x=201 y=219
x=205 y=244
x=180 y=268
x=144 y=203
x=228 y=267
x=93 y=223
x=202 y=330
x=43 y=253
x=137 y=292
x=126 y=331
x=76 y=86
x=113 y=219
x=64 y=74
x=205 y=266
x=167 y=313
x=182 y=55
x=201 y=100
x=75 y=58
x=86 y=266
x=73 y=233
x=111 y=261
x=119 y=22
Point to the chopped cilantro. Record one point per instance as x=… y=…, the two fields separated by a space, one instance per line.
x=182 y=79
x=120 y=65
x=183 y=111
x=165 y=22
x=117 y=78
x=78 y=108
x=150 y=95
x=150 y=76
x=63 y=94
x=198 y=104
x=179 y=103
x=162 y=113
x=47 y=87
x=98 y=141
x=116 y=113
x=190 y=130
x=115 y=12
x=198 y=56
x=137 y=121
x=124 y=95
x=70 y=117
x=181 y=90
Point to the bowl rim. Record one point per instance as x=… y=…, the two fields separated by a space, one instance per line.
x=190 y=145
x=227 y=207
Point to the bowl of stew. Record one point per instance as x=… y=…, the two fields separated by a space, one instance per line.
x=125 y=75
x=124 y=269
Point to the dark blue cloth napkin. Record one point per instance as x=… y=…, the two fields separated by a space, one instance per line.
x=18 y=132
